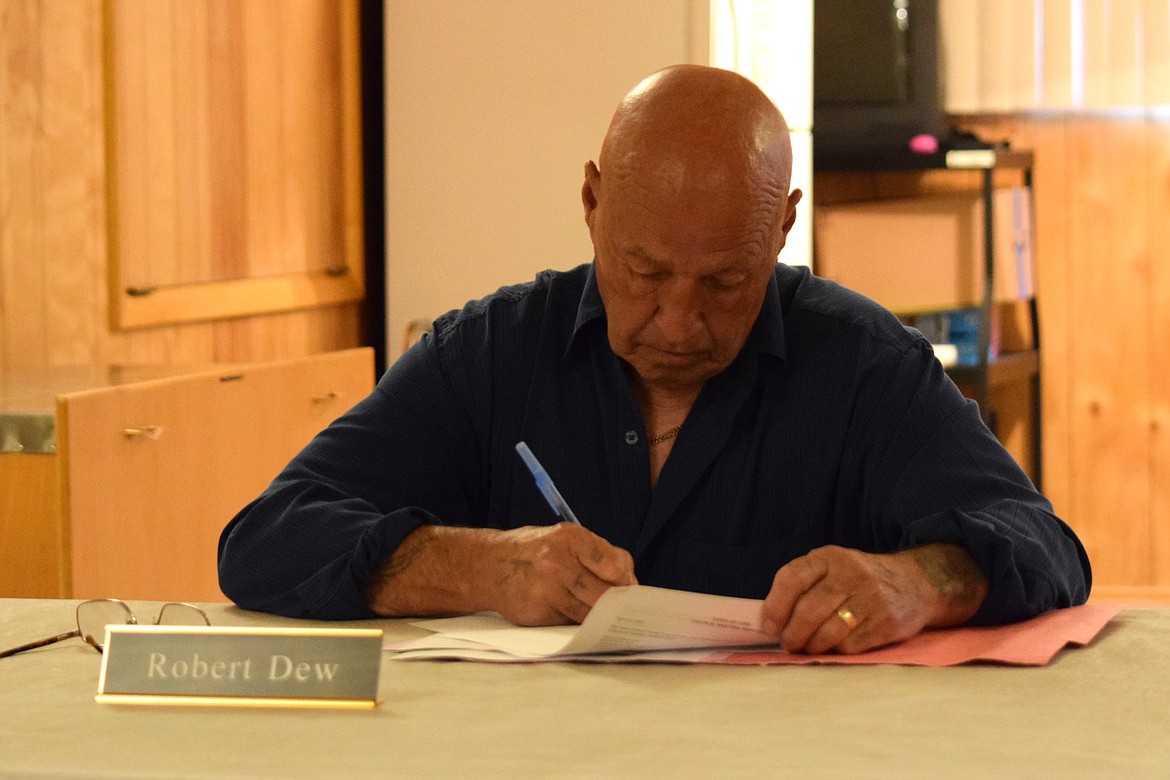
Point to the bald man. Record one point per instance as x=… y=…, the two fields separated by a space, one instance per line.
x=719 y=421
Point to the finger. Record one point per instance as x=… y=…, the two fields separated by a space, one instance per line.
x=551 y=601
x=858 y=642
x=607 y=562
x=585 y=589
x=539 y=578
x=873 y=631
x=790 y=584
x=571 y=567
x=833 y=632
x=573 y=590
x=811 y=612
x=573 y=608
x=579 y=595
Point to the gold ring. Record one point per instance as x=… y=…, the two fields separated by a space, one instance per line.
x=847 y=615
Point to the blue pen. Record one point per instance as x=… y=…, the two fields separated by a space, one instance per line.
x=545 y=483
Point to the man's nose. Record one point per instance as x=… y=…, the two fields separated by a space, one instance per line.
x=680 y=315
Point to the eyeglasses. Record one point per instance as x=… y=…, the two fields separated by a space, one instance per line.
x=93 y=616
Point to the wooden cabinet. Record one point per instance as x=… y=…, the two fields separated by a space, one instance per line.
x=233 y=158
x=146 y=474
x=178 y=161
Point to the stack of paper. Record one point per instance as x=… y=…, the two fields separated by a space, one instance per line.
x=648 y=624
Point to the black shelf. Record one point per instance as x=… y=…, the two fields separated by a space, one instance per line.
x=885 y=160
x=1022 y=366
x=1003 y=370
x=1011 y=367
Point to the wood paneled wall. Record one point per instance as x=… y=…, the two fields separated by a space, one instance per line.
x=54 y=237
x=1103 y=230
x=1103 y=243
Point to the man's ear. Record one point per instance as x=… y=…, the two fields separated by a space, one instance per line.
x=590 y=191
x=790 y=209
x=789 y=218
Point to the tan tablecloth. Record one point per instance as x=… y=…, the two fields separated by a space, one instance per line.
x=1099 y=711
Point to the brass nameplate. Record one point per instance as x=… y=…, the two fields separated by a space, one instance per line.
x=233 y=666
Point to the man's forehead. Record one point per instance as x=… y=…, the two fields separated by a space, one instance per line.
x=676 y=171
x=648 y=216
x=680 y=194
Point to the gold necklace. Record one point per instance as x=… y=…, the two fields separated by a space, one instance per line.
x=664 y=436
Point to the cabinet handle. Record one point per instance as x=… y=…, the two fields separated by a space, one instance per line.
x=150 y=431
x=322 y=398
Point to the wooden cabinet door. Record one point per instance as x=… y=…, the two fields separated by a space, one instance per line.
x=234 y=157
x=154 y=470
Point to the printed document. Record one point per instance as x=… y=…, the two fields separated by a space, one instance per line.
x=626 y=619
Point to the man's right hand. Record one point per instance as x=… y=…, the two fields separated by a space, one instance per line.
x=533 y=576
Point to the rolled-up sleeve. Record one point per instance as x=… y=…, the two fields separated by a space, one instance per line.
x=307 y=546
x=933 y=472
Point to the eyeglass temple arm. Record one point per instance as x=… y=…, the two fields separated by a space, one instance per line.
x=40 y=643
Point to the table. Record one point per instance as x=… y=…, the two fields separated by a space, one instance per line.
x=1100 y=711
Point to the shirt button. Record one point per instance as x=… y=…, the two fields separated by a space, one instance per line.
x=631 y=437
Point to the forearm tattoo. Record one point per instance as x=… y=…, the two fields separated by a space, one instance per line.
x=403 y=557
x=952 y=573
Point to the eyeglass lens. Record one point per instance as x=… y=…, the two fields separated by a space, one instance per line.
x=176 y=614
x=94 y=616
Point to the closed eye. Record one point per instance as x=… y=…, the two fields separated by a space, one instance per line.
x=726 y=281
x=644 y=269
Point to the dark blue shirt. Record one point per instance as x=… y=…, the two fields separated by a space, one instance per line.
x=834 y=425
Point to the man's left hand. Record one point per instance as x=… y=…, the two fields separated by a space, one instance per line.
x=848 y=601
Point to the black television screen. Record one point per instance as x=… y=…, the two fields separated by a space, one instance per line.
x=875 y=82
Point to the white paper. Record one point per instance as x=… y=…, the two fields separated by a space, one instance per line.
x=625 y=620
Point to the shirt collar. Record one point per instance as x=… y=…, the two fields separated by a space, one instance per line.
x=766 y=338
x=590 y=307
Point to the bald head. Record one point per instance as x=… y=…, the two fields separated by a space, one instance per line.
x=687 y=210
x=694 y=126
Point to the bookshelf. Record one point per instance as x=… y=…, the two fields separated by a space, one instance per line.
x=946 y=232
